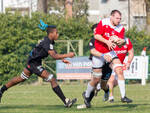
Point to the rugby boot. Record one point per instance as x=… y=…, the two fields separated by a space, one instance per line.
x=106 y=96
x=70 y=102
x=86 y=100
x=126 y=100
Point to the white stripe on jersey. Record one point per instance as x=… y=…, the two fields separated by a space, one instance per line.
x=106 y=21
x=127 y=40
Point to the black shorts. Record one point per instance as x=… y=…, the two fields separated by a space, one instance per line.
x=106 y=71
x=35 y=67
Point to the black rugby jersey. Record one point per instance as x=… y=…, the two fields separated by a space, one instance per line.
x=41 y=50
x=91 y=46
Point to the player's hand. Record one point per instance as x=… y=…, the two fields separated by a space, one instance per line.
x=120 y=42
x=71 y=54
x=108 y=58
x=66 y=61
x=114 y=38
x=111 y=45
x=128 y=66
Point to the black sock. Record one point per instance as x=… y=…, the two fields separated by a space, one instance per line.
x=106 y=90
x=3 y=89
x=59 y=93
x=91 y=96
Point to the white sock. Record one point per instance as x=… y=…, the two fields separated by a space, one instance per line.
x=98 y=87
x=110 y=98
x=121 y=84
x=89 y=90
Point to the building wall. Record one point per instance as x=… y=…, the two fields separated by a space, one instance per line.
x=18 y=4
x=104 y=7
x=99 y=9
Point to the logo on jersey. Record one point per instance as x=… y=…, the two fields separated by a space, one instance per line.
x=40 y=68
x=121 y=52
x=107 y=34
x=125 y=46
x=51 y=46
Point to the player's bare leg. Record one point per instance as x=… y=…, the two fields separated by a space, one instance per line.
x=49 y=78
x=105 y=87
x=112 y=82
x=111 y=85
x=14 y=81
x=121 y=81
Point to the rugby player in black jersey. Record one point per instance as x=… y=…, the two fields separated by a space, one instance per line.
x=105 y=74
x=34 y=65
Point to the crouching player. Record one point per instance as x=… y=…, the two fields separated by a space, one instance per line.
x=41 y=51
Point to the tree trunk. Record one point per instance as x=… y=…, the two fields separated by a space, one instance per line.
x=68 y=7
x=42 y=6
x=148 y=15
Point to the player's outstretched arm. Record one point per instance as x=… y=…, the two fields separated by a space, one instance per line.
x=54 y=55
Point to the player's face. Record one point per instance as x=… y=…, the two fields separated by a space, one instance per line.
x=94 y=30
x=55 y=34
x=116 y=18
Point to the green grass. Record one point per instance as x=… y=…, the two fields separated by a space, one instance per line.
x=41 y=99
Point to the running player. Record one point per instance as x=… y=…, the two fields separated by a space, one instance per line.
x=41 y=51
x=121 y=53
x=108 y=28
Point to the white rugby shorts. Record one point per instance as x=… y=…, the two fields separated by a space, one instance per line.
x=98 y=62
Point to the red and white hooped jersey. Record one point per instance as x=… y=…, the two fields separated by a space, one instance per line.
x=122 y=52
x=106 y=29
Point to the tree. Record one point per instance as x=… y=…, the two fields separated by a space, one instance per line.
x=71 y=8
x=80 y=8
x=68 y=8
x=42 y=6
x=148 y=15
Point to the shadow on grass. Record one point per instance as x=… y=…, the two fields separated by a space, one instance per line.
x=118 y=107
x=122 y=107
x=37 y=107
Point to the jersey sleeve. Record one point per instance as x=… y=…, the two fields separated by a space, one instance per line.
x=48 y=46
x=129 y=45
x=91 y=44
x=99 y=29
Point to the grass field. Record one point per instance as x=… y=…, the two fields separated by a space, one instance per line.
x=41 y=99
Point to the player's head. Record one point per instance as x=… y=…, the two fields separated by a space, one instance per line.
x=94 y=27
x=115 y=17
x=52 y=32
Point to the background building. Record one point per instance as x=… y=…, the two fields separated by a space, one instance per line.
x=133 y=11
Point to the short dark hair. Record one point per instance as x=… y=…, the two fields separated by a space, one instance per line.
x=115 y=11
x=94 y=26
x=50 y=29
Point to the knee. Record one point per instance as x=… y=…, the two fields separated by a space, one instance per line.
x=49 y=78
x=119 y=70
x=96 y=80
x=53 y=82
